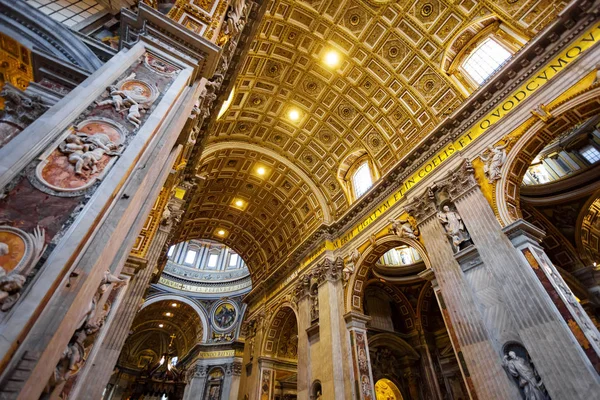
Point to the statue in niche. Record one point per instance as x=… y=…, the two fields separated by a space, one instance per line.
x=494 y=161
x=454 y=227
x=526 y=376
x=403 y=228
x=85 y=151
x=314 y=307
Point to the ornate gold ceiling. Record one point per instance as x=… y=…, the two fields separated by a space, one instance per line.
x=386 y=95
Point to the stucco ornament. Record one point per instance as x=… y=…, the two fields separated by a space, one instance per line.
x=131 y=94
x=85 y=151
x=19 y=253
x=92 y=319
x=403 y=228
x=525 y=375
x=494 y=158
x=454 y=227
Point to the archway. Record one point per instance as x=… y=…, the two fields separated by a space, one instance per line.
x=279 y=361
x=551 y=180
x=162 y=334
x=409 y=344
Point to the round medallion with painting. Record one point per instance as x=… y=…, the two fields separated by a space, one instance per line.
x=224 y=316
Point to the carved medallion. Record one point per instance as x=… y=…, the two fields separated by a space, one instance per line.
x=159 y=66
x=85 y=154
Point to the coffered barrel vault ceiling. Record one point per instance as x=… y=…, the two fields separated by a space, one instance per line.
x=388 y=92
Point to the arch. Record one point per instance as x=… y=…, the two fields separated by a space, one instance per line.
x=393 y=342
x=348 y=168
x=218 y=146
x=356 y=283
x=279 y=322
x=35 y=30
x=538 y=134
x=173 y=297
x=586 y=223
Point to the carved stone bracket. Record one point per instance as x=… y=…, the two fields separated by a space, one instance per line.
x=460 y=182
x=422 y=208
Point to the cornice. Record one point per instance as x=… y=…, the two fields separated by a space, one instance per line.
x=574 y=19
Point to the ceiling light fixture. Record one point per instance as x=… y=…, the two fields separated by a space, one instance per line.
x=220 y=232
x=168 y=314
x=160 y=325
x=260 y=171
x=332 y=58
x=294 y=115
x=173 y=304
x=239 y=203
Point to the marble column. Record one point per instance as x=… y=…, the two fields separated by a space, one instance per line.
x=535 y=320
x=331 y=363
x=511 y=302
x=234 y=387
x=432 y=384
x=362 y=371
x=196 y=381
x=141 y=272
x=105 y=220
x=474 y=344
x=304 y=355
x=251 y=374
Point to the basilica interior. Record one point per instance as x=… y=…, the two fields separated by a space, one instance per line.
x=299 y=199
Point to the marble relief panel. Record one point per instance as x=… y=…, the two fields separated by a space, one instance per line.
x=53 y=189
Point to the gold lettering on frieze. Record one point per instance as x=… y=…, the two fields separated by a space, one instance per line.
x=202 y=289
x=216 y=354
x=559 y=63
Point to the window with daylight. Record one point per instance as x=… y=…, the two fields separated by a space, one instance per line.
x=233 y=259
x=485 y=60
x=190 y=257
x=171 y=251
x=590 y=153
x=362 y=180
x=212 y=260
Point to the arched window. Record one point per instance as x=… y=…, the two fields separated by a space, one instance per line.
x=190 y=257
x=485 y=60
x=478 y=51
x=357 y=174
x=362 y=180
x=212 y=260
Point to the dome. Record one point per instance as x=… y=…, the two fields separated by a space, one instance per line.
x=205 y=268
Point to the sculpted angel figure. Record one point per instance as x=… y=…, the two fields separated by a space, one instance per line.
x=116 y=98
x=85 y=151
x=403 y=228
x=525 y=375
x=494 y=161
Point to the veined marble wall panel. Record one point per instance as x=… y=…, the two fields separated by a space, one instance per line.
x=50 y=192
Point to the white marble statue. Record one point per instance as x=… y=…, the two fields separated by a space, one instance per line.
x=116 y=98
x=402 y=228
x=454 y=227
x=494 y=161
x=85 y=151
x=525 y=375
